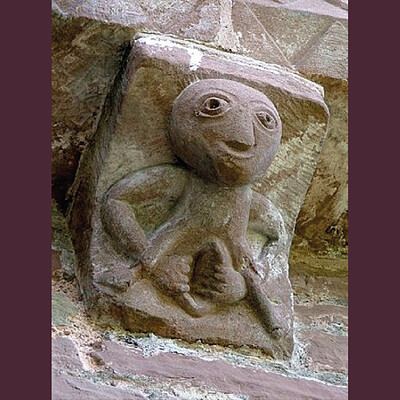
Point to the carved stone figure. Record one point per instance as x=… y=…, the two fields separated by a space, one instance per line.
x=211 y=239
x=185 y=200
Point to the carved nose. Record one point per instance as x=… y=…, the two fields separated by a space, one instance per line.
x=241 y=137
x=238 y=146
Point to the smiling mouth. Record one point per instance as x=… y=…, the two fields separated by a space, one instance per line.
x=239 y=149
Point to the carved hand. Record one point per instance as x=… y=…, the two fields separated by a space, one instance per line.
x=170 y=273
x=215 y=277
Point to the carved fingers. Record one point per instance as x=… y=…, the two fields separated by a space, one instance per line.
x=227 y=287
x=214 y=277
x=171 y=274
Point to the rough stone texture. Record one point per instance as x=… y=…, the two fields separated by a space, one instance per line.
x=325 y=352
x=228 y=133
x=303 y=261
x=322 y=331
x=62 y=309
x=217 y=375
x=65 y=354
x=55 y=260
x=86 y=57
x=310 y=288
x=321 y=228
x=66 y=387
x=90 y=363
x=322 y=316
x=161 y=67
x=62 y=249
x=307 y=36
x=89 y=42
x=192 y=19
x=128 y=374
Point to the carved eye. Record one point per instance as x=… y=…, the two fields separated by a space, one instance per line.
x=213 y=107
x=267 y=120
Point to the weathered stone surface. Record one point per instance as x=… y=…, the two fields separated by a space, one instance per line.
x=65 y=354
x=62 y=310
x=228 y=133
x=322 y=331
x=62 y=249
x=89 y=40
x=308 y=36
x=194 y=19
x=322 y=225
x=322 y=316
x=126 y=373
x=325 y=352
x=160 y=69
x=319 y=289
x=329 y=55
x=152 y=367
x=86 y=57
x=321 y=7
x=217 y=375
x=254 y=40
x=301 y=262
x=55 y=260
x=68 y=387
x=340 y=3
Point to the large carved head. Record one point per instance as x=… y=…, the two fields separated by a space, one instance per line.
x=227 y=131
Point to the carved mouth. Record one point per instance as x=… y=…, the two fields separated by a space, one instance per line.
x=238 y=149
x=238 y=146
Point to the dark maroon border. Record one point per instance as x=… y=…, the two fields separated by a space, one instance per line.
x=25 y=200
x=374 y=201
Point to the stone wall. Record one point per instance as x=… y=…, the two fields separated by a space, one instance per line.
x=91 y=43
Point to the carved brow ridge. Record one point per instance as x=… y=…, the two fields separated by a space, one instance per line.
x=215 y=92
x=226 y=95
x=269 y=106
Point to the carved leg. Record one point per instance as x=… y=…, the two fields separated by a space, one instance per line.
x=259 y=300
x=244 y=262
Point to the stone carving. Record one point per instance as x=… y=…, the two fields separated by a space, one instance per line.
x=226 y=134
x=180 y=225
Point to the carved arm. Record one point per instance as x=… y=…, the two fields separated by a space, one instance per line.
x=117 y=213
x=267 y=220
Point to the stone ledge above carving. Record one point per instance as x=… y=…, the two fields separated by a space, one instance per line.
x=191 y=19
x=307 y=36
